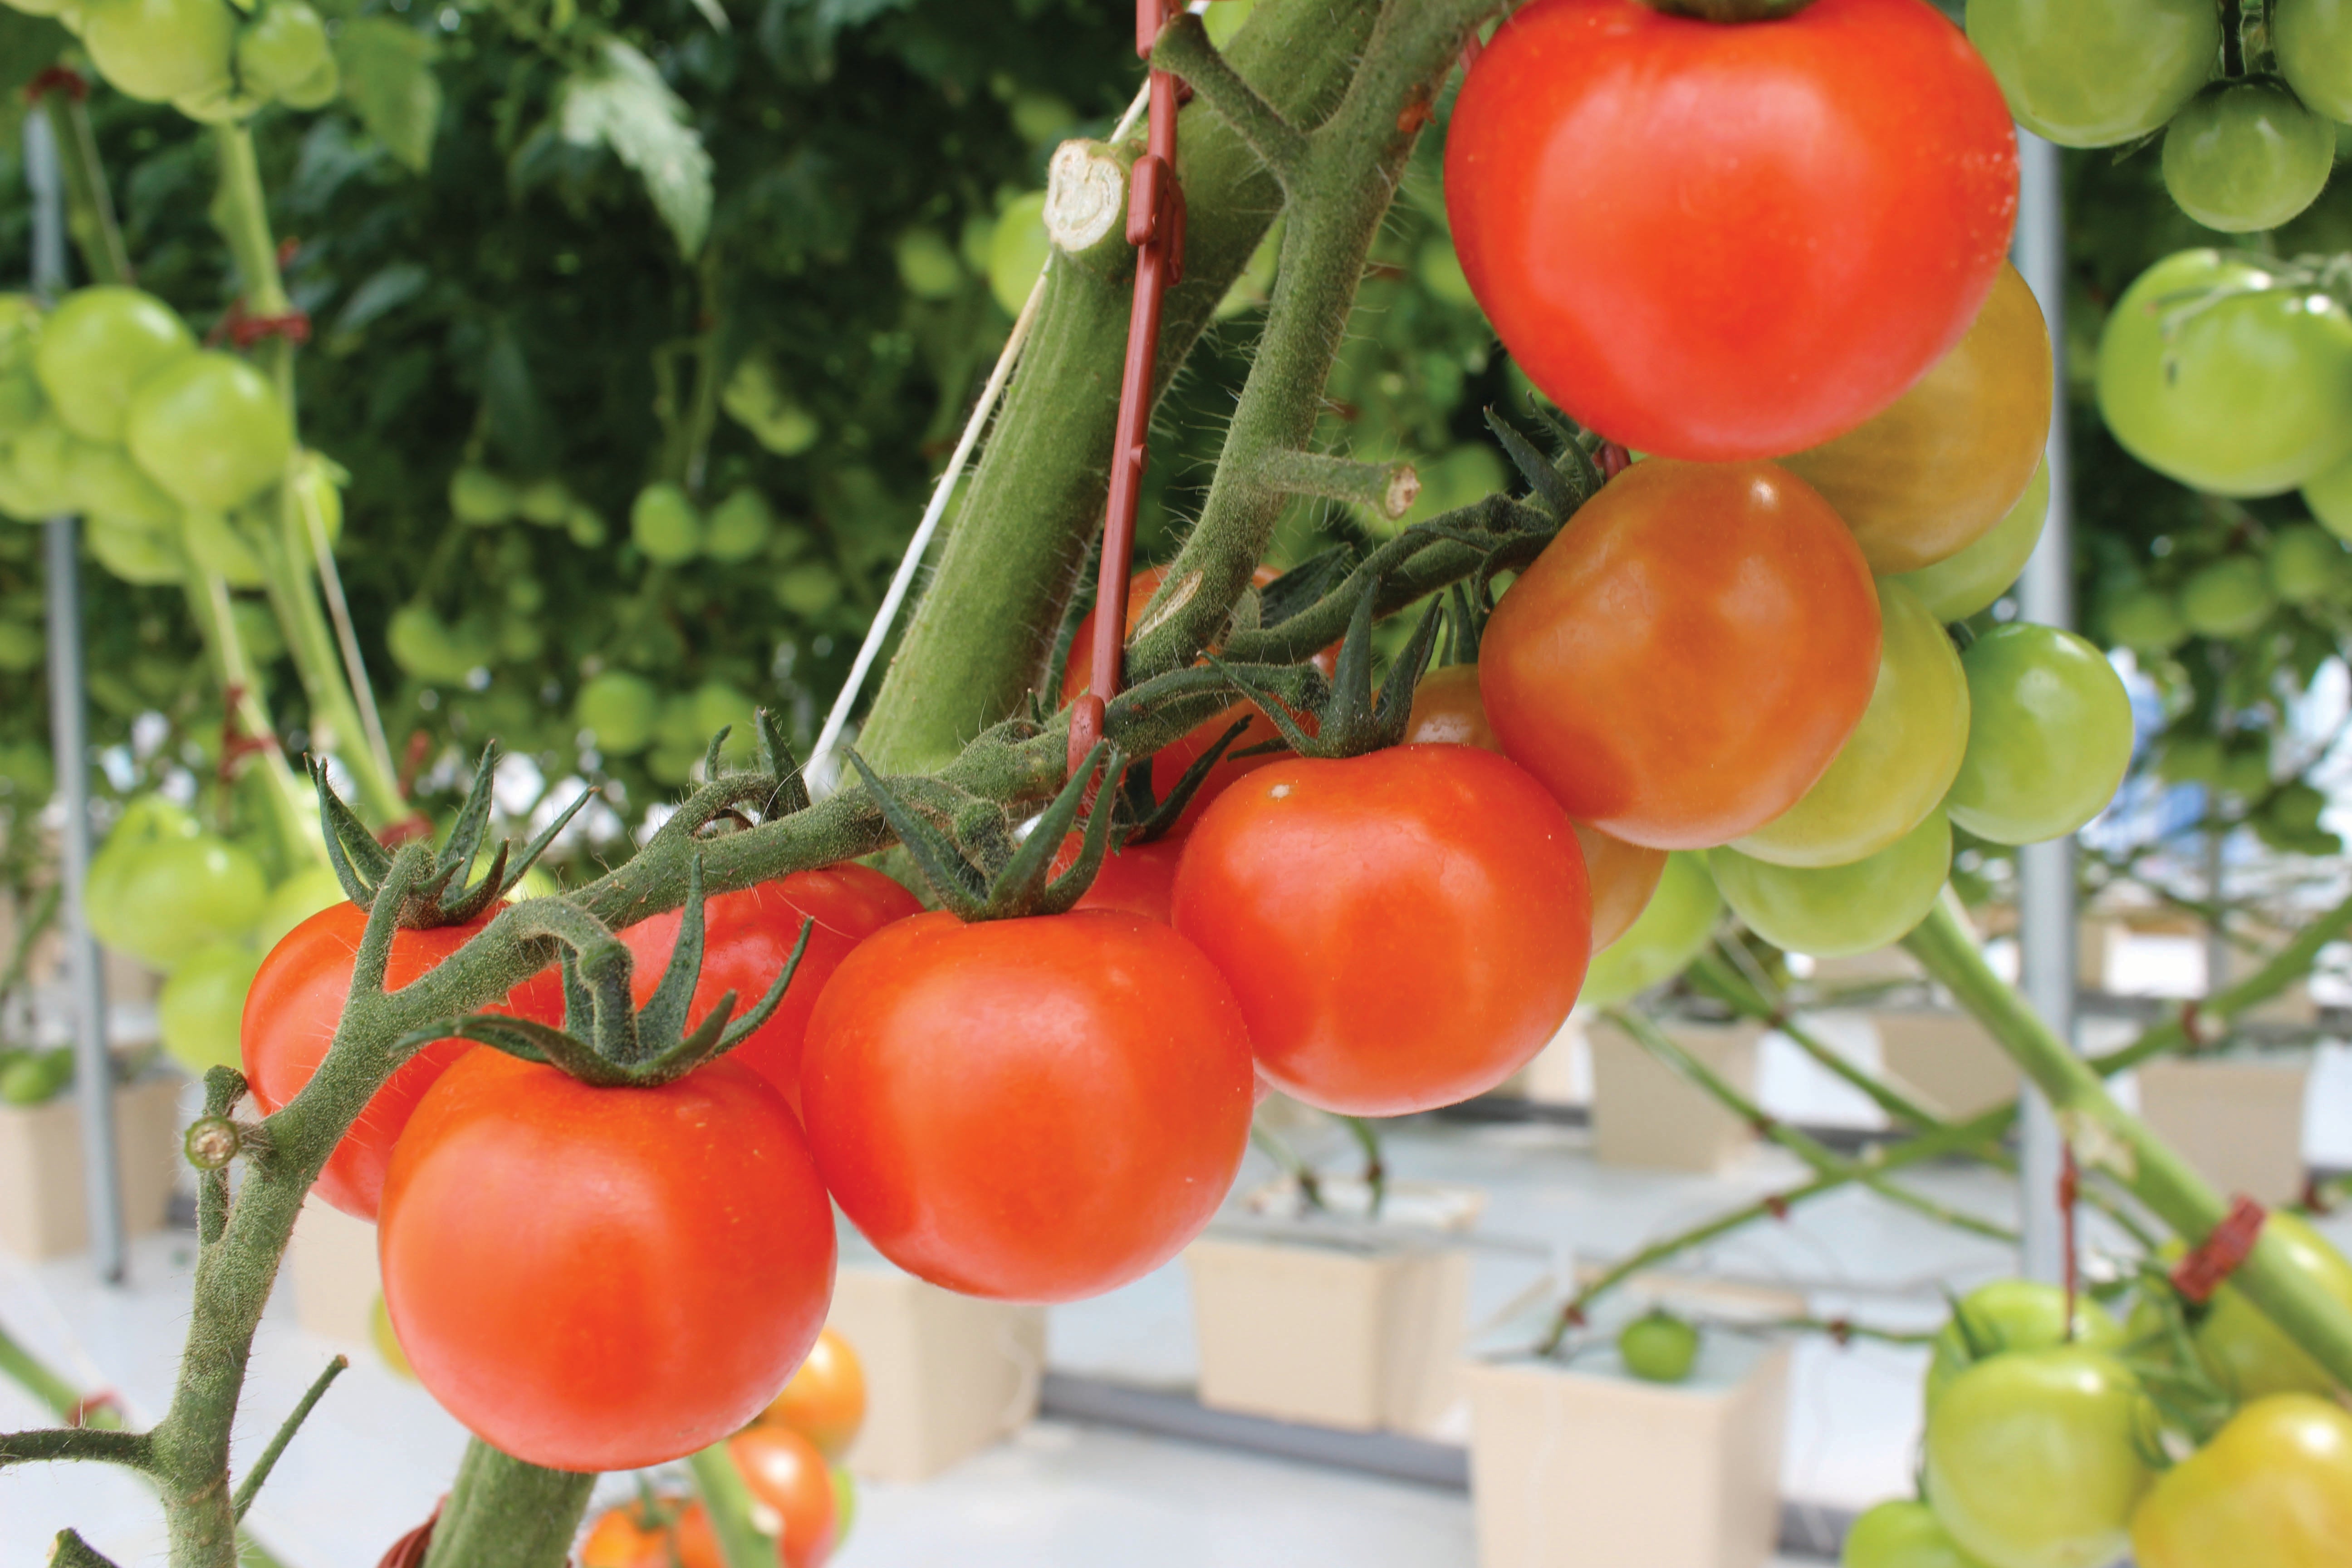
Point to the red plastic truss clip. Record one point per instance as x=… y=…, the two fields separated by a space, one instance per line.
x=58 y=79
x=1145 y=197
x=2212 y=1260
x=294 y=326
x=409 y=1551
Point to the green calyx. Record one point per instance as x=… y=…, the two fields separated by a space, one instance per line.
x=975 y=865
x=443 y=897
x=607 y=1041
x=1349 y=718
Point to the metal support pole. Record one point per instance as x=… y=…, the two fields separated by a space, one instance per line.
x=69 y=732
x=2045 y=873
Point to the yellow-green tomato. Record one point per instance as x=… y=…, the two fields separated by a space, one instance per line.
x=619 y=710
x=136 y=554
x=1658 y=1347
x=1958 y=586
x=739 y=527
x=102 y=481
x=1900 y=759
x=2014 y=1315
x=199 y=1009
x=1831 y=911
x=178 y=896
x=2034 y=1459
x=1672 y=928
x=2228 y=598
x=2246 y=156
x=2248 y=1354
x=282 y=49
x=96 y=348
x=2050 y=734
x=480 y=497
x=2273 y=1489
x=2328 y=494
x=219 y=547
x=664 y=525
x=2094 y=73
x=2314 y=40
x=161 y=49
x=211 y=430
x=2145 y=620
x=1902 y=1534
x=294 y=900
x=2307 y=564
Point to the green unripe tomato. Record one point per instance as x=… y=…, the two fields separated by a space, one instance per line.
x=102 y=481
x=2033 y=1458
x=619 y=710
x=432 y=650
x=808 y=589
x=2307 y=564
x=756 y=400
x=282 y=49
x=480 y=497
x=161 y=49
x=1672 y=928
x=664 y=525
x=2248 y=1354
x=928 y=265
x=2145 y=620
x=547 y=502
x=211 y=430
x=1900 y=759
x=2050 y=734
x=2230 y=598
x=2191 y=759
x=2246 y=156
x=584 y=525
x=740 y=527
x=2095 y=73
x=1831 y=911
x=1018 y=252
x=719 y=706
x=2014 y=1315
x=22 y=647
x=1960 y=585
x=1658 y=1347
x=33 y=470
x=96 y=350
x=1902 y=1534
x=200 y=1007
x=35 y=1078
x=136 y=554
x=217 y=545
x=316 y=91
x=2328 y=494
x=178 y=896
x=2314 y=40
x=21 y=399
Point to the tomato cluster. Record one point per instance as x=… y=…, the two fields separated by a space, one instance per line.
x=210 y=60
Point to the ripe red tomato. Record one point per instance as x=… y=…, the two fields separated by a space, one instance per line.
x=1034 y=1110
x=826 y=1401
x=1403 y=929
x=633 y=1536
x=1139 y=879
x=1687 y=657
x=604 y=1278
x=787 y=1475
x=290 y=1012
x=1721 y=242
x=746 y=939
x=1167 y=765
x=1448 y=711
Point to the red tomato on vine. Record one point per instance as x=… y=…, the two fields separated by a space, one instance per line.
x=1139 y=879
x=1403 y=929
x=290 y=1014
x=1727 y=241
x=604 y=1278
x=1687 y=657
x=674 y=1533
x=787 y=1475
x=1034 y=1110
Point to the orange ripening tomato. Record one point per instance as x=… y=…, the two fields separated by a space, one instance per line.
x=1034 y=1110
x=604 y=1278
x=788 y=1477
x=1167 y=765
x=1728 y=242
x=632 y=1536
x=1403 y=929
x=1686 y=658
x=290 y=1012
x=1933 y=472
x=1448 y=710
x=825 y=1400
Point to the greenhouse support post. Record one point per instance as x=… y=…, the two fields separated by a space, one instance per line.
x=2045 y=873
x=93 y=1071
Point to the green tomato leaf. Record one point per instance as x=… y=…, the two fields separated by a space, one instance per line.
x=388 y=78
x=624 y=103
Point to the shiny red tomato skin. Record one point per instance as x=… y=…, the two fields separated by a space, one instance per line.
x=1720 y=242
x=748 y=937
x=290 y=1012
x=1403 y=929
x=1686 y=658
x=1139 y=879
x=604 y=1278
x=1033 y=1110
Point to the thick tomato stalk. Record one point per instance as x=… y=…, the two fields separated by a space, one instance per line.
x=1684 y=661
x=1403 y=929
x=290 y=1012
x=604 y=1278
x=1036 y=1108
x=746 y=939
x=1721 y=242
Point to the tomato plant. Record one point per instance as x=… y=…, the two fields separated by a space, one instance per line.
x=2272 y=1489
x=2093 y=73
x=787 y=1477
x=2050 y=734
x=604 y=1278
x=2213 y=373
x=1726 y=242
x=1035 y=1109
x=825 y=1400
x=673 y=1532
x=211 y=430
x=2244 y=156
x=159 y=49
x=2033 y=1458
x=2015 y=1315
x=1403 y=929
x=1652 y=700
x=97 y=347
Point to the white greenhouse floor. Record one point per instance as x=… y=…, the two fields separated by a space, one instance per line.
x=378 y=1452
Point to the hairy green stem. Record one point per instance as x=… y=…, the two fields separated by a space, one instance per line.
x=505 y=1513
x=2105 y=1137
x=267 y=1461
